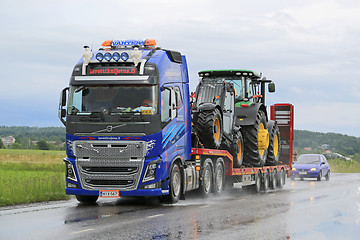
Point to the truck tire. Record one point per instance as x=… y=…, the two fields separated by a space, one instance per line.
x=252 y=134
x=273 y=152
x=219 y=177
x=237 y=150
x=174 y=186
x=207 y=180
x=87 y=199
x=210 y=128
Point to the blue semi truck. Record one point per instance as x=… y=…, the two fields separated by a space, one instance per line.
x=131 y=127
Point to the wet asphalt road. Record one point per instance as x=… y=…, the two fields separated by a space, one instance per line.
x=302 y=210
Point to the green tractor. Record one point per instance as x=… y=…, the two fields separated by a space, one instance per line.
x=229 y=113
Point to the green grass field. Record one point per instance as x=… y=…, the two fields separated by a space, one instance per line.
x=341 y=166
x=28 y=176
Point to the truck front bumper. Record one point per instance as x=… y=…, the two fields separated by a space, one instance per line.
x=134 y=193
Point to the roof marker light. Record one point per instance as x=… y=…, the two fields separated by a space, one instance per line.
x=99 y=57
x=150 y=42
x=107 y=56
x=124 y=56
x=106 y=43
x=116 y=56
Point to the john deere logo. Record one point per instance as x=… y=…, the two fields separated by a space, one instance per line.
x=109 y=128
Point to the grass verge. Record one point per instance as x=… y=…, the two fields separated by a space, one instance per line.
x=341 y=166
x=28 y=176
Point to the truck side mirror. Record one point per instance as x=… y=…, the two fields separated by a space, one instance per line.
x=271 y=87
x=174 y=107
x=62 y=104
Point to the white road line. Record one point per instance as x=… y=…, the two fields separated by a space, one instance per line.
x=272 y=194
x=205 y=206
x=153 y=216
x=86 y=230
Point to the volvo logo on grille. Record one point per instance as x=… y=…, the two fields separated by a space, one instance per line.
x=109 y=128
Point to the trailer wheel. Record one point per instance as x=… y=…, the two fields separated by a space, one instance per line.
x=256 y=141
x=274 y=179
x=174 y=186
x=207 y=180
x=87 y=199
x=237 y=150
x=281 y=179
x=210 y=128
x=265 y=181
x=273 y=152
x=219 y=178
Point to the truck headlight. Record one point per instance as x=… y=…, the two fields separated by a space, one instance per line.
x=150 y=172
x=294 y=169
x=313 y=169
x=70 y=173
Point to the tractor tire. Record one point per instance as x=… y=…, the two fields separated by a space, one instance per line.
x=254 y=157
x=210 y=128
x=237 y=150
x=273 y=152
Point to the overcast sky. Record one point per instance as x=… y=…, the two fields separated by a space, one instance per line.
x=310 y=49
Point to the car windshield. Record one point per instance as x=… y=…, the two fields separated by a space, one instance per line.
x=112 y=99
x=308 y=159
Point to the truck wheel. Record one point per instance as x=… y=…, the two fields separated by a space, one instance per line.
x=273 y=151
x=210 y=128
x=265 y=181
x=174 y=186
x=256 y=141
x=219 y=180
x=237 y=150
x=87 y=199
x=207 y=180
x=274 y=179
x=327 y=176
x=319 y=176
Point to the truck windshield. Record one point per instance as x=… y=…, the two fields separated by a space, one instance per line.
x=112 y=100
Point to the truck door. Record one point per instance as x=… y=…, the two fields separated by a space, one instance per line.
x=228 y=113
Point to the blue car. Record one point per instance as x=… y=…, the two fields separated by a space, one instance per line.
x=311 y=166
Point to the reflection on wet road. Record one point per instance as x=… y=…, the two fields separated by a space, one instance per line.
x=302 y=210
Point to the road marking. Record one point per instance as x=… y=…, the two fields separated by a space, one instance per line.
x=272 y=194
x=293 y=191
x=153 y=216
x=205 y=206
x=86 y=230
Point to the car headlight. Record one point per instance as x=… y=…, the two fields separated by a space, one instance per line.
x=313 y=169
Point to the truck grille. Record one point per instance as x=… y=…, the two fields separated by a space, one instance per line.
x=109 y=165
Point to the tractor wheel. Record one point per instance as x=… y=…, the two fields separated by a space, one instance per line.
x=210 y=128
x=237 y=150
x=273 y=152
x=256 y=141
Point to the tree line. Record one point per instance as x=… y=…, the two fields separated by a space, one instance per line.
x=335 y=142
x=27 y=136
x=44 y=138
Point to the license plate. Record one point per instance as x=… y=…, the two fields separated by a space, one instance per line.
x=303 y=173
x=109 y=193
